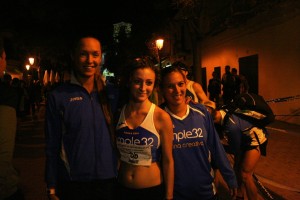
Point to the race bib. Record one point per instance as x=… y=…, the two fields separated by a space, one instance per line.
x=135 y=154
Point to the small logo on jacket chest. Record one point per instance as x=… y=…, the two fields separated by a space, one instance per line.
x=76 y=99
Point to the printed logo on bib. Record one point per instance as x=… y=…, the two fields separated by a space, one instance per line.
x=135 y=154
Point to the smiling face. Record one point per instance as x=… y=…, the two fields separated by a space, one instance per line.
x=174 y=88
x=87 y=57
x=142 y=84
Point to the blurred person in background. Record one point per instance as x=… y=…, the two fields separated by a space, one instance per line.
x=247 y=141
x=9 y=177
x=228 y=84
x=214 y=89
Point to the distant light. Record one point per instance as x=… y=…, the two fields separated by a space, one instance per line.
x=27 y=67
x=159 y=43
x=107 y=73
x=31 y=60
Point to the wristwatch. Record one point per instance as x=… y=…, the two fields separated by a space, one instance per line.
x=50 y=191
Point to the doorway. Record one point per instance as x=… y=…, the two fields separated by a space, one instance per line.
x=204 y=79
x=218 y=72
x=248 y=67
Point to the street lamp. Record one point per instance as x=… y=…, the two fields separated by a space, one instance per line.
x=27 y=67
x=31 y=64
x=159 y=44
x=31 y=60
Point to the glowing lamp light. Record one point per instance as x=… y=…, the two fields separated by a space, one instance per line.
x=31 y=60
x=159 y=43
x=27 y=67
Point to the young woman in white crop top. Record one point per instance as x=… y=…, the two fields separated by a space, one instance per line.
x=144 y=137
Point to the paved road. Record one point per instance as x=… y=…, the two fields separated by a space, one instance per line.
x=29 y=156
x=279 y=171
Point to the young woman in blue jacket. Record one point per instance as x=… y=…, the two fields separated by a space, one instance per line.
x=196 y=143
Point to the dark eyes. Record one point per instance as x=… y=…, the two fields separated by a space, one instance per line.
x=180 y=84
x=96 y=54
x=86 y=54
x=148 y=83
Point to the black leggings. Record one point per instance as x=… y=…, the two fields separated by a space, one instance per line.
x=151 y=193
x=92 y=190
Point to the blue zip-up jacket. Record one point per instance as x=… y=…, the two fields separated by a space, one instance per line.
x=78 y=143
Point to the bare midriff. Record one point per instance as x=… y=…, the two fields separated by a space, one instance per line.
x=138 y=177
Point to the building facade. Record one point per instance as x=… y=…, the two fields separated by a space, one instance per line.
x=269 y=43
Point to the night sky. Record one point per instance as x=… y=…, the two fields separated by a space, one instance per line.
x=40 y=19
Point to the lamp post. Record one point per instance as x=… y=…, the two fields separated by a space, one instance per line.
x=31 y=60
x=159 y=44
x=31 y=65
x=27 y=66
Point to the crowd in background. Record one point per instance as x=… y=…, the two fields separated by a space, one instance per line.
x=223 y=90
x=220 y=91
x=30 y=95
